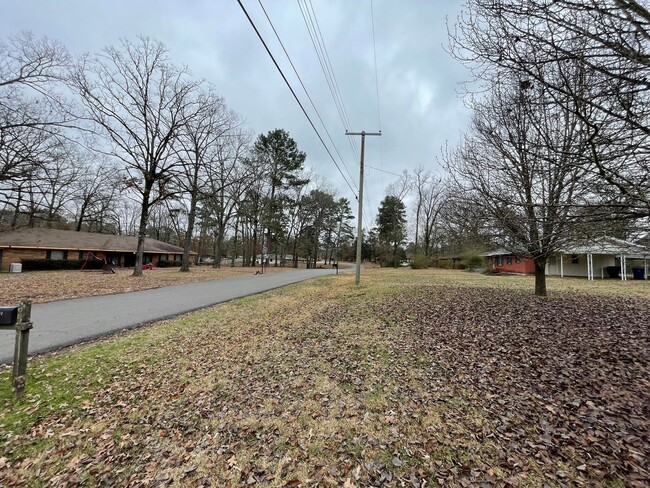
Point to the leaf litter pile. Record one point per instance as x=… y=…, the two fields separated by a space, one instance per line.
x=404 y=381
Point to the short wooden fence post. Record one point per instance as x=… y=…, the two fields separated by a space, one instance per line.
x=22 y=326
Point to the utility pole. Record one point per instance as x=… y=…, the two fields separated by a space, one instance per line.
x=363 y=134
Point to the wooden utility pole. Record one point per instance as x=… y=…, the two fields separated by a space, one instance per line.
x=363 y=134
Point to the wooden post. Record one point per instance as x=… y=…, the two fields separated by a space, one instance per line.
x=23 y=325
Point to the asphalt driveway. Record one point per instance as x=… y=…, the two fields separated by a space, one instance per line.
x=65 y=322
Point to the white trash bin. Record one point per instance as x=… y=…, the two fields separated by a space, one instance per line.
x=16 y=268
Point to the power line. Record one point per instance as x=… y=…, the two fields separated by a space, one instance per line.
x=306 y=91
x=293 y=93
x=382 y=170
x=374 y=52
x=315 y=34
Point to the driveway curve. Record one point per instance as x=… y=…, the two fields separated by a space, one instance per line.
x=66 y=322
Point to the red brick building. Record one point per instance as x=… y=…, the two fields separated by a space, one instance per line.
x=508 y=262
x=67 y=244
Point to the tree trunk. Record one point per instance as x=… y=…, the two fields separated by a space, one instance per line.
x=314 y=254
x=218 y=248
x=254 y=248
x=142 y=230
x=82 y=213
x=294 y=258
x=234 y=245
x=417 y=226
x=201 y=243
x=540 y=277
x=191 y=216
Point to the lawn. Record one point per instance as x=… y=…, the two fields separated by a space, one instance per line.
x=413 y=378
x=47 y=286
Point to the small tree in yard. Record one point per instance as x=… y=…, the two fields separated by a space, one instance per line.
x=518 y=166
x=391 y=225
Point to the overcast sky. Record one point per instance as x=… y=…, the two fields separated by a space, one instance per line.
x=418 y=81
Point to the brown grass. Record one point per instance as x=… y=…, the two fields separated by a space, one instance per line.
x=48 y=286
x=414 y=378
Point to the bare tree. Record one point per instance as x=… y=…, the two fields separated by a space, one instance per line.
x=139 y=100
x=95 y=191
x=30 y=70
x=518 y=165
x=201 y=142
x=401 y=187
x=429 y=199
x=229 y=179
x=608 y=42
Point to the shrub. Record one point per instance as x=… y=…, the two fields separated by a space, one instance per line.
x=58 y=264
x=444 y=264
x=420 y=261
x=169 y=264
x=474 y=261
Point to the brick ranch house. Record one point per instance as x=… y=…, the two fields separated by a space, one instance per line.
x=507 y=262
x=67 y=244
x=602 y=257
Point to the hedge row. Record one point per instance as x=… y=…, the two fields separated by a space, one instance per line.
x=168 y=264
x=50 y=264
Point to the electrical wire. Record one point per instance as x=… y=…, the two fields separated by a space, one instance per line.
x=250 y=20
x=382 y=170
x=374 y=52
x=306 y=92
x=313 y=29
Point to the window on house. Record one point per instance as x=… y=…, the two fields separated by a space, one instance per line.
x=87 y=255
x=59 y=255
x=163 y=257
x=509 y=260
x=575 y=259
x=178 y=257
x=499 y=260
x=147 y=258
x=517 y=259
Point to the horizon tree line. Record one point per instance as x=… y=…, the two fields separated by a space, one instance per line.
x=125 y=141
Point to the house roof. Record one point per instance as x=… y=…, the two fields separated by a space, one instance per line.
x=83 y=241
x=505 y=252
x=607 y=245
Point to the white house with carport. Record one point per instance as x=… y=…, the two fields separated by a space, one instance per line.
x=601 y=257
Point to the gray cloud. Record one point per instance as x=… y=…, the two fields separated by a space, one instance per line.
x=420 y=109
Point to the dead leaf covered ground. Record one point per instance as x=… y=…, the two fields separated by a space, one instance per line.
x=47 y=286
x=412 y=379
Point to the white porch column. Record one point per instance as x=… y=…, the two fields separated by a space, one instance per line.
x=623 y=267
x=590 y=267
x=561 y=265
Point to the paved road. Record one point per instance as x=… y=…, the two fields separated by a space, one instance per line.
x=66 y=322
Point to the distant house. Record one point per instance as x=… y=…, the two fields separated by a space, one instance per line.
x=67 y=244
x=503 y=261
x=602 y=257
